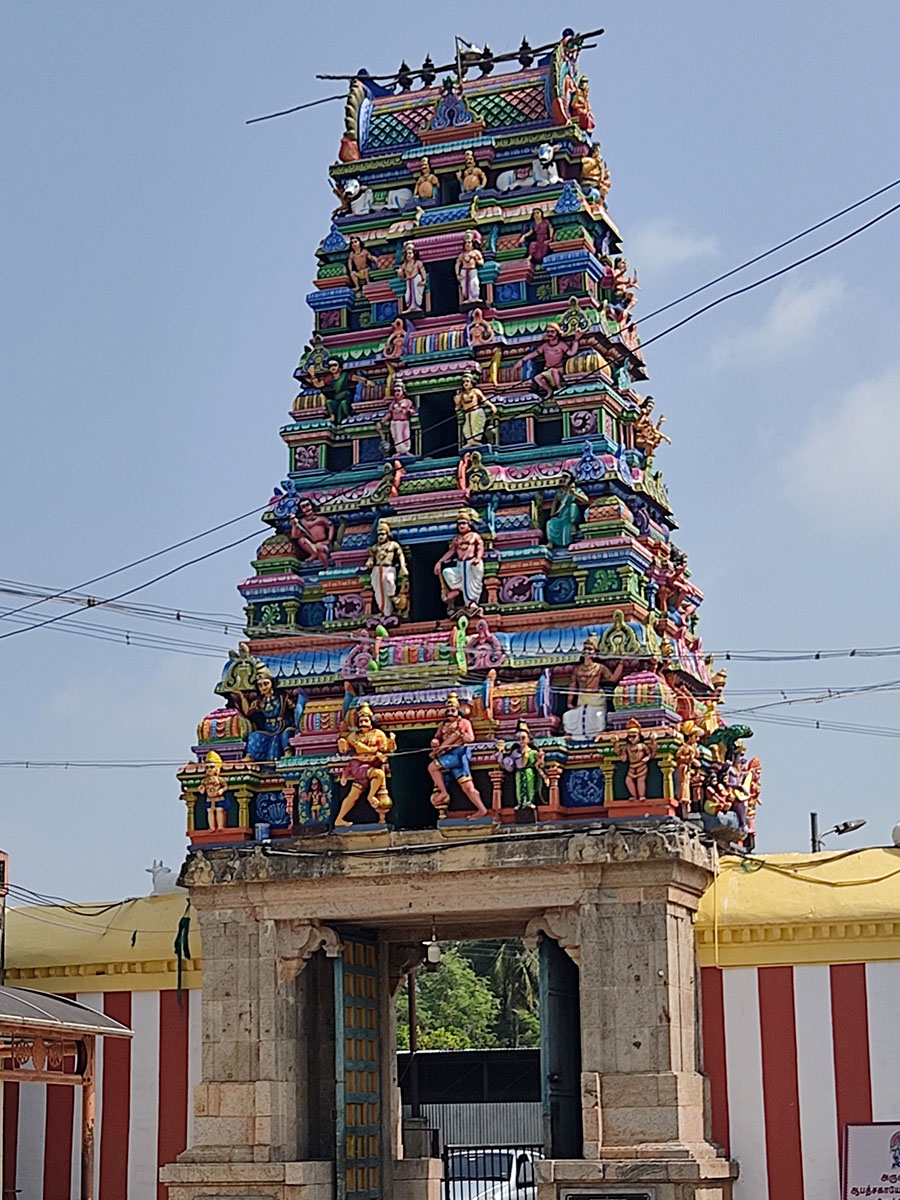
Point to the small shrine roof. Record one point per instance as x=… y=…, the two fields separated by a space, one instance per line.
x=27 y=1009
x=127 y=949
x=790 y=908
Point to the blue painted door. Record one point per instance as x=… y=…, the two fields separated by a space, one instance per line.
x=358 y=1094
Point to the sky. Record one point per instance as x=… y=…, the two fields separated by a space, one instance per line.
x=157 y=251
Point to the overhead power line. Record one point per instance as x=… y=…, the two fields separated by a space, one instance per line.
x=140 y=561
x=768 y=278
x=765 y=254
x=137 y=588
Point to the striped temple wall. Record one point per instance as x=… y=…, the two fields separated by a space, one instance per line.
x=792 y=1054
x=143 y=1113
x=800 y=990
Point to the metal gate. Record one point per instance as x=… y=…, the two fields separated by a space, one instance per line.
x=494 y=1172
x=358 y=1070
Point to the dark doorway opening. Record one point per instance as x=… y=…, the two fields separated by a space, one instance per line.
x=316 y=1073
x=424 y=586
x=560 y=1052
x=449 y=188
x=437 y=420
x=443 y=288
x=548 y=433
x=339 y=458
x=411 y=785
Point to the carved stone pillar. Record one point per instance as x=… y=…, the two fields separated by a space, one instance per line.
x=255 y=1035
x=643 y=1101
x=497 y=775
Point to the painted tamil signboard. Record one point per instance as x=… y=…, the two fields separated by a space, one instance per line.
x=872 y=1160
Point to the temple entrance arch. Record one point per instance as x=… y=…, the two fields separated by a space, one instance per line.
x=619 y=903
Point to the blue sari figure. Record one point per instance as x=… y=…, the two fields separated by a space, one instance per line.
x=274 y=721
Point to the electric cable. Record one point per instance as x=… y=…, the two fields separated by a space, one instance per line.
x=146 y=558
x=772 y=250
x=137 y=588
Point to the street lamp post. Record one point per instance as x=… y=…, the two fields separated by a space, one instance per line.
x=816 y=839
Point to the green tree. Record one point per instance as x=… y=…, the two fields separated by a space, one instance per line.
x=513 y=973
x=456 y=1008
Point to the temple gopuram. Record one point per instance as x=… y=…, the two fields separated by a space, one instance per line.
x=471 y=605
x=472 y=702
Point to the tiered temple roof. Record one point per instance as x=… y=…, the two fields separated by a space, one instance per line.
x=470 y=597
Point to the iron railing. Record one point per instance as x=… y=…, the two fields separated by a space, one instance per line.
x=490 y=1172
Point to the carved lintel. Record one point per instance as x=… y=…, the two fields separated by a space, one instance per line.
x=402 y=958
x=561 y=924
x=197 y=871
x=298 y=941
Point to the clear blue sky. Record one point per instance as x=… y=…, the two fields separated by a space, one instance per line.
x=156 y=255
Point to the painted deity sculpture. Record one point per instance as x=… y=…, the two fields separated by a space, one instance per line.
x=554 y=350
x=718 y=816
x=471 y=473
x=427 y=185
x=213 y=788
x=636 y=751
x=393 y=346
x=587 y=703
x=537 y=237
x=396 y=420
x=484 y=649
x=360 y=262
x=625 y=285
x=340 y=388
x=415 y=279
x=526 y=764
x=736 y=780
x=580 y=106
x=647 y=436
x=471 y=177
x=468 y=261
x=479 y=331
x=565 y=513
x=312 y=532
x=388 y=486
x=316 y=799
x=367 y=768
x=451 y=755
x=475 y=407
x=387 y=566
x=754 y=786
x=273 y=718
x=461 y=567
x=595 y=175
x=687 y=759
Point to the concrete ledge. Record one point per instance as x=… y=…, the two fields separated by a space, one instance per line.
x=418 y=1179
x=313 y=1180
x=709 y=1178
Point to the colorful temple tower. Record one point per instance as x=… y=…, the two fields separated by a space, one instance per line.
x=470 y=607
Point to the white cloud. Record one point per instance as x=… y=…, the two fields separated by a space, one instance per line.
x=795 y=314
x=845 y=472
x=664 y=243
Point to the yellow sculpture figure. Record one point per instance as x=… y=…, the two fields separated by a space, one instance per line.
x=687 y=760
x=594 y=173
x=471 y=176
x=370 y=748
x=474 y=406
x=636 y=752
x=648 y=436
x=213 y=788
x=427 y=184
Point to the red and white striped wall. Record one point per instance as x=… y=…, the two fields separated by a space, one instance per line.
x=793 y=1054
x=143 y=1112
